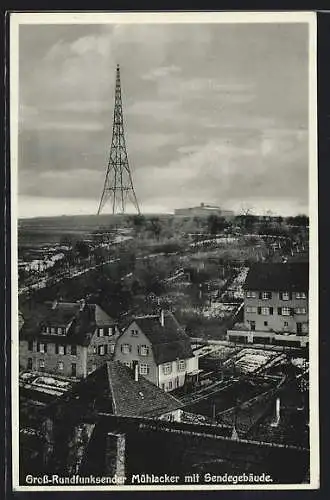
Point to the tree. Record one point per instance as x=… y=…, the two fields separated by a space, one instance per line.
x=216 y=224
x=155 y=227
x=82 y=249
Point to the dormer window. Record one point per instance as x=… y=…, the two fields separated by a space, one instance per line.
x=250 y=294
x=53 y=330
x=285 y=295
x=266 y=295
x=300 y=295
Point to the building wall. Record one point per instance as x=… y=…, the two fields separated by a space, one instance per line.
x=276 y=321
x=95 y=359
x=52 y=360
x=135 y=341
x=156 y=373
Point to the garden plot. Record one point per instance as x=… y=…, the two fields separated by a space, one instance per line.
x=251 y=360
x=218 y=310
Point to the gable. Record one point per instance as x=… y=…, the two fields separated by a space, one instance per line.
x=101 y=317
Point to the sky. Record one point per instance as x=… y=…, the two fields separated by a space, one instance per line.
x=214 y=113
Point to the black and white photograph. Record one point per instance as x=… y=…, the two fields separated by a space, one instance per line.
x=164 y=251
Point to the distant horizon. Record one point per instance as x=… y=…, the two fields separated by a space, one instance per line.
x=103 y=215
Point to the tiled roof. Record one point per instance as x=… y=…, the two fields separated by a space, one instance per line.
x=112 y=389
x=169 y=342
x=137 y=398
x=81 y=322
x=278 y=277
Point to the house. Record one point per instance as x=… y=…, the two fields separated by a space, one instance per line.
x=161 y=349
x=66 y=338
x=275 y=305
x=116 y=389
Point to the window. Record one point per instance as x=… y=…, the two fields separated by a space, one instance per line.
x=101 y=350
x=167 y=368
x=112 y=348
x=73 y=369
x=42 y=348
x=30 y=345
x=265 y=311
x=182 y=365
x=74 y=350
x=94 y=349
x=299 y=328
x=61 y=349
x=144 y=368
x=266 y=295
x=125 y=348
x=286 y=324
x=134 y=333
x=127 y=363
x=170 y=385
x=41 y=364
x=252 y=325
x=300 y=310
x=29 y=364
x=93 y=367
x=265 y=323
x=144 y=350
x=300 y=295
x=60 y=366
x=101 y=332
x=251 y=295
x=53 y=330
x=285 y=311
x=285 y=296
x=47 y=329
x=250 y=309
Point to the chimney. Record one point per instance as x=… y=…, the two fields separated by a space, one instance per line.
x=54 y=304
x=136 y=371
x=162 y=317
x=82 y=304
x=277 y=416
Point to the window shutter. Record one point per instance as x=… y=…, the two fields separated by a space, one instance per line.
x=38 y=347
x=271 y=310
x=259 y=310
x=106 y=349
x=45 y=347
x=281 y=296
x=56 y=348
x=260 y=295
x=130 y=348
x=99 y=349
x=270 y=295
x=292 y=311
x=279 y=311
x=121 y=348
x=290 y=295
x=138 y=349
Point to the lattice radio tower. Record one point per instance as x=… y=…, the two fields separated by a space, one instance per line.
x=118 y=184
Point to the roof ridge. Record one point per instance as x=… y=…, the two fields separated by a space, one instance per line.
x=114 y=403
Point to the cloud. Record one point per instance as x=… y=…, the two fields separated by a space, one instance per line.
x=157 y=73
